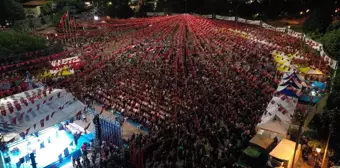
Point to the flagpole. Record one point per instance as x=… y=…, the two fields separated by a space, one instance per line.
x=72 y=31
x=66 y=25
x=75 y=31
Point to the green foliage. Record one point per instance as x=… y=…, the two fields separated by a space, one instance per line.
x=318 y=21
x=12 y=43
x=333 y=26
x=331 y=42
x=316 y=35
x=46 y=9
x=56 y=18
x=13 y=10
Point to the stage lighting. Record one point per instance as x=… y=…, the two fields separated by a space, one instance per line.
x=96 y=18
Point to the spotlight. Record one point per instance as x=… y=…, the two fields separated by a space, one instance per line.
x=96 y=18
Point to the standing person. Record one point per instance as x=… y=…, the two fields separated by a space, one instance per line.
x=76 y=137
x=84 y=117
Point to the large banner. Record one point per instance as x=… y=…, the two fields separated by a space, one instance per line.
x=65 y=61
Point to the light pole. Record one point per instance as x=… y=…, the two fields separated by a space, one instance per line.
x=318 y=150
x=312 y=93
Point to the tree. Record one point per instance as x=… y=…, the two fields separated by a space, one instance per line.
x=319 y=20
x=13 y=10
x=125 y=11
x=12 y=43
x=46 y=9
x=333 y=26
x=331 y=42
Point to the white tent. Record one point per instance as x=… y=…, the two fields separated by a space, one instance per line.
x=278 y=115
x=57 y=106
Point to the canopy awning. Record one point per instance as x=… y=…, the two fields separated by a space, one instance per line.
x=37 y=111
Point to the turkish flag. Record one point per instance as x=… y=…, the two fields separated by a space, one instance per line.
x=14 y=120
x=23 y=101
x=31 y=99
x=10 y=108
x=3 y=110
x=17 y=105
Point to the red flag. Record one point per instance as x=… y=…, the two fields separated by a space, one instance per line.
x=52 y=114
x=14 y=120
x=23 y=101
x=31 y=99
x=71 y=22
x=10 y=108
x=64 y=16
x=61 y=24
x=17 y=105
x=21 y=116
x=27 y=130
x=3 y=110
x=47 y=118
x=42 y=122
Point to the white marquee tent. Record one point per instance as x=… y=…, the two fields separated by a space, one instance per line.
x=37 y=113
x=277 y=118
x=278 y=115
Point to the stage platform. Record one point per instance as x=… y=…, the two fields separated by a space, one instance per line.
x=57 y=144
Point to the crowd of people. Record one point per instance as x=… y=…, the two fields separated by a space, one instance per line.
x=199 y=90
x=201 y=108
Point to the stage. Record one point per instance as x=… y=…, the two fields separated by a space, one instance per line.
x=51 y=146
